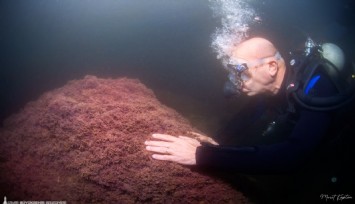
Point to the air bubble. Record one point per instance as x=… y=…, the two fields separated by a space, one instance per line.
x=236 y=17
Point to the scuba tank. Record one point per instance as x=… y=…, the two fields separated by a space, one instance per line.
x=328 y=58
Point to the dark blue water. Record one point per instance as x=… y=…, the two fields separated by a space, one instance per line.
x=164 y=43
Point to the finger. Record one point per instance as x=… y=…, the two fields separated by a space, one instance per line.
x=164 y=137
x=162 y=150
x=185 y=137
x=164 y=157
x=157 y=143
x=197 y=134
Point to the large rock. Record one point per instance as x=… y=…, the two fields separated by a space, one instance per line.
x=84 y=143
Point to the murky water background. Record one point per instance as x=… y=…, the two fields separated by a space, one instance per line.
x=164 y=43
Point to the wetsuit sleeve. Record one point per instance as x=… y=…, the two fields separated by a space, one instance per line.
x=281 y=157
x=276 y=158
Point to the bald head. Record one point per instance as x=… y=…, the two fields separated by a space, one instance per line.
x=254 y=48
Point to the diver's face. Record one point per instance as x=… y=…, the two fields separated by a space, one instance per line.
x=258 y=80
x=256 y=77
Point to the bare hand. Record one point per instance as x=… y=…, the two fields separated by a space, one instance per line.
x=179 y=149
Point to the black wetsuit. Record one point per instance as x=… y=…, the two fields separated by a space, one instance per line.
x=298 y=144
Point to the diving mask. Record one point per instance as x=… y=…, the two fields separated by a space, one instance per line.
x=238 y=74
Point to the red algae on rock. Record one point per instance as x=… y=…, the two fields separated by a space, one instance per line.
x=84 y=143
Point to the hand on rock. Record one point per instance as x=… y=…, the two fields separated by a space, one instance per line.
x=179 y=149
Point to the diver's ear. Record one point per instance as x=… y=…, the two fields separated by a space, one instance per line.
x=273 y=68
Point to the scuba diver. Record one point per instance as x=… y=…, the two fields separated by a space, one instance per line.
x=304 y=98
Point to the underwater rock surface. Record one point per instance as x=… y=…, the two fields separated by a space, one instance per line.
x=84 y=143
